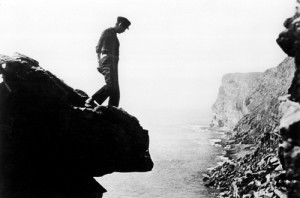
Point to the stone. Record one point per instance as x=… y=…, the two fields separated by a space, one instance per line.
x=51 y=145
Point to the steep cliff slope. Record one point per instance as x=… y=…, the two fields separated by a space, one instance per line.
x=243 y=94
x=51 y=145
x=231 y=104
x=264 y=113
x=255 y=169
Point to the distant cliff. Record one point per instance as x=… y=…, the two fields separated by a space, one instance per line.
x=254 y=168
x=264 y=115
x=231 y=104
x=243 y=94
x=51 y=145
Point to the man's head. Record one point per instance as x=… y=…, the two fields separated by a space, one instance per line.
x=122 y=24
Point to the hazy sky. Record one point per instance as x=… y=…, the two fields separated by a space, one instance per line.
x=172 y=58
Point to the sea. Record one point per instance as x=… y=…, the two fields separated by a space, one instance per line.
x=182 y=151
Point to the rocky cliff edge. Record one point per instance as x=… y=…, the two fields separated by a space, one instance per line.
x=51 y=145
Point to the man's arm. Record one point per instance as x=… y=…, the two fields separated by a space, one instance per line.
x=105 y=43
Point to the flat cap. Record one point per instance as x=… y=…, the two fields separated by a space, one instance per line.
x=124 y=21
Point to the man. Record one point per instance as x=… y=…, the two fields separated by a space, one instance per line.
x=108 y=58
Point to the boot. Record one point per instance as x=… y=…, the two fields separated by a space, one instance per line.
x=90 y=103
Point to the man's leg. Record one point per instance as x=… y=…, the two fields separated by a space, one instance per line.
x=102 y=94
x=114 y=98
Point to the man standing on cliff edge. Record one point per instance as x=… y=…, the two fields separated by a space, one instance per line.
x=108 y=57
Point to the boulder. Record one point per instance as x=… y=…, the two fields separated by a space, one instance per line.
x=51 y=145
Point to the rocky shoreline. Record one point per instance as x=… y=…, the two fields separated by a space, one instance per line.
x=248 y=170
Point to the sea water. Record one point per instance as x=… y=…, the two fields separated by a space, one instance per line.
x=181 y=153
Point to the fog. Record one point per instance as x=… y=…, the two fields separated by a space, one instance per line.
x=172 y=58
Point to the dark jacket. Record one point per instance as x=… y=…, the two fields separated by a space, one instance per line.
x=108 y=43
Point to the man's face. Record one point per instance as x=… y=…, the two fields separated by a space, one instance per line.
x=121 y=28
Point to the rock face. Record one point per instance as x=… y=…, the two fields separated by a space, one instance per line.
x=268 y=164
x=254 y=168
x=264 y=113
x=242 y=95
x=231 y=104
x=51 y=146
x=289 y=153
x=290 y=147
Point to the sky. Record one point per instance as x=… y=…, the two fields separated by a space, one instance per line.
x=173 y=56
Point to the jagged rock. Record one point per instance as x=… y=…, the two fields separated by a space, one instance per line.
x=51 y=145
x=289 y=154
x=280 y=194
x=289 y=129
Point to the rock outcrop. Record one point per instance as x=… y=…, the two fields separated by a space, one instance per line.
x=290 y=146
x=51 y=145
x=289 y=41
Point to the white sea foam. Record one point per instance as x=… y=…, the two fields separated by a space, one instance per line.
x=213 y=141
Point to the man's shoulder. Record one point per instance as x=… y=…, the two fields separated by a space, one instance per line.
x=108 y=31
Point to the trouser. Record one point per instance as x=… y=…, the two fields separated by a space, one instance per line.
x=108 y=66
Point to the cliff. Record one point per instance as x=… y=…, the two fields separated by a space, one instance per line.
x=51 y=145
x=231 y=104
x=254 y=168
x=242 y=95
x=266 y=142
x=264 y=116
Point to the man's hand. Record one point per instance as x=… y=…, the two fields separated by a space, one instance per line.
x=103 y=55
